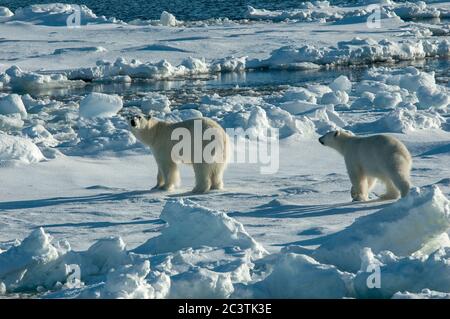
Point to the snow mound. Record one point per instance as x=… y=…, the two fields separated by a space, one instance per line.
x=300 y=276
x=102 y=134
x=15 y=149
x=11 y=122
x=354 y=52
x=404 y=120
x=155 y=102
x=57 y=14
x=100 y=105
x=167 y=19
x=201 y=283
x=341 y=83
x=416 y=275
x=20 y=264
x=406 y=227
x=12 y=104
x=191 y=225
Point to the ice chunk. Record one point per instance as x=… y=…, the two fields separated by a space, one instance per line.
x=19 y=263
x=18 y=149
x=411 y=274
x=10 y=122
x=57 y=14
x=5 y=13
x=201 y=283
x=102 y=105
x=341 y=83
x=12 y=103
x=29 y=81
x=406 y=120
x=300 y=276
x=155 y=102
x=41 y=135
x=335 y=98
x=387 y=100
x=129 y=282
x=167 y=19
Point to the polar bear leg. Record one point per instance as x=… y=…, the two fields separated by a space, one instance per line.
x=359 y=187
x=401 y=181
x=217 y=176
x=391 y=190
x=371 y=181
x=159 y=180
x=202 y=177
x=171 y=176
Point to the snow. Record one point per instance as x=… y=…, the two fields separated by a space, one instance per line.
x=75 y=188
x=15 y=149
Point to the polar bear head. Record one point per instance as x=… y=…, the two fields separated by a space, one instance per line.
x=138 y=122
x=334 y=139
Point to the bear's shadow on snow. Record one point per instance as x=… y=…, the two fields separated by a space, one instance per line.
x=270 y=210
x=104 y=224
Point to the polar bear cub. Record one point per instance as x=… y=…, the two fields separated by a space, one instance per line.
x=164 y=140
x=370 y=158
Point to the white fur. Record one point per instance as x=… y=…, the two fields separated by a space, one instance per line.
x=370 y=158
x=157 y=135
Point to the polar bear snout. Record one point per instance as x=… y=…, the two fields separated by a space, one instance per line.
x=133 y=123
x=321 y=140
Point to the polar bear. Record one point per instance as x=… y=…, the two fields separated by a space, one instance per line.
x=370 y=158
x=164 y=140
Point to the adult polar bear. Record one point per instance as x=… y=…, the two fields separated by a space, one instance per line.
x=168 y=147
x=373 y=157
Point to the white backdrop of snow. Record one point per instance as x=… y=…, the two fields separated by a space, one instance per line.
x=408 y=228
